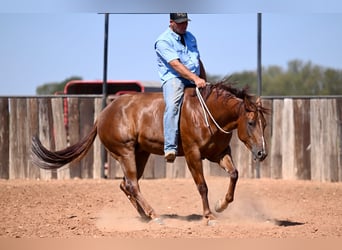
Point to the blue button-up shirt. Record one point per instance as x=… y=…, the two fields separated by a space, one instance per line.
x=168 y=47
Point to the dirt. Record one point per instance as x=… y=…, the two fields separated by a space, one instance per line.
x=263 y=208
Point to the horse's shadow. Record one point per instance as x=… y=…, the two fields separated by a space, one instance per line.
x=287 y=223
x=197 y=217
x=191 y=217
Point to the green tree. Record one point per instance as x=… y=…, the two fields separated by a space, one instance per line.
x=332 y=82
x=213 y=78
x=54 y=87
x=300 y=78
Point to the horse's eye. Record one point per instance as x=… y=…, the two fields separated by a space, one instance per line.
x=251 y=123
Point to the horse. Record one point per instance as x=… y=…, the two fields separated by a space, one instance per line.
x=131 y=128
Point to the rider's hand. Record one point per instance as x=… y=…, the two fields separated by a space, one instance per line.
x=200 y=83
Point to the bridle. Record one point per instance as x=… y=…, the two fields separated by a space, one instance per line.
x=206 y=110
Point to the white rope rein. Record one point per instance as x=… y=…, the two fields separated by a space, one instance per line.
x=206 y=110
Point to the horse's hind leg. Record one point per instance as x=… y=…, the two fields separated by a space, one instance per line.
x=130 y=185
x=133 y=200
x=141 y=160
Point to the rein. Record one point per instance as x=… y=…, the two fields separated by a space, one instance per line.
x=206 y=110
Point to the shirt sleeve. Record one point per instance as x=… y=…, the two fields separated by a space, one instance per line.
x=165 y=51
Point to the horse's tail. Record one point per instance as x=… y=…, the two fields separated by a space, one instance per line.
x=46 y=159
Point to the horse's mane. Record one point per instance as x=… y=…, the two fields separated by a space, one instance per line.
x=225 y=88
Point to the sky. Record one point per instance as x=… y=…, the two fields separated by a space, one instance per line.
x=43 y=47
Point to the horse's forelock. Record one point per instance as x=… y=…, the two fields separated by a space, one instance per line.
x=249 y=104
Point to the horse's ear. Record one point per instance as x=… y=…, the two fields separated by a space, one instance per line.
x=258 y=102
x=248 y=104
x=260 y=107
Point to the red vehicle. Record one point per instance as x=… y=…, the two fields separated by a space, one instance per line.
x=94 y=87
x=82 y=87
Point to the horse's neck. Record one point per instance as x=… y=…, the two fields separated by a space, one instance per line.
x=225 y=112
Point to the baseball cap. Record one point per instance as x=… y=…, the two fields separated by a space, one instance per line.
x=179 y=17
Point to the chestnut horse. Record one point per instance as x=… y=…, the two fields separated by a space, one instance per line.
x=131 y=128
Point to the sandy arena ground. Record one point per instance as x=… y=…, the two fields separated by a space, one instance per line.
x=262 y=208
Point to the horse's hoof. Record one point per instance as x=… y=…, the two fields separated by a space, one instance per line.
x=218 y=206
x=209 y=220
x=212 y=222
x=158 y=221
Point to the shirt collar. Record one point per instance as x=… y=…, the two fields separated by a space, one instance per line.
x=175 y=35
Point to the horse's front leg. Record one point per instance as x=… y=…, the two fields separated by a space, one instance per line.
x=227 y=164
x=196 y=169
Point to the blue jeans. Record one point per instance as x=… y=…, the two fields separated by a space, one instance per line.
x=173 y=91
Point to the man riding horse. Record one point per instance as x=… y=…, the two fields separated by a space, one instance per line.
x=179 y=66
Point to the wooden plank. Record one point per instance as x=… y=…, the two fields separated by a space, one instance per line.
x=289 y=166
x=276 y=156
x=302 y=138
x=187 y=171
x=150 y=167
x=23 y=131
x=33 y=121
x=206 y=168
x=159 y=169
x=216 y=170
x=265 y=166
x=182 y=170
x=323 y=139
x=331 y=140
x=97 y=143
x=14 y=169
x=315 y=139
x=242 y=157
x=176 y=169
x=46 y=132
x=114 y=169
x=60 y=133
x=4 y=138
x=234 y=145
x=325 y=152
x=18 y=131
x=86 y=106
x=74 y=132
x=339 y=135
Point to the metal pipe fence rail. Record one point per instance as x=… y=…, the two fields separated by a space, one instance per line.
x=304 y=137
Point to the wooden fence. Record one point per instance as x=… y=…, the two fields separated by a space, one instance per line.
x=304 y=138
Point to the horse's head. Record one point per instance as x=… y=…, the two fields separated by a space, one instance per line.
x=251 y=125
x=250 y=121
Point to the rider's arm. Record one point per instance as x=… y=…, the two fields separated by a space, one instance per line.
x=187 y=74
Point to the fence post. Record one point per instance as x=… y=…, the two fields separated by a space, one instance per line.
x=276 y=139
x=74 y=132
x=97 y=169
x=60 y=133
x=46 y=131
x=4 y=138
x=301 y=109
x=33 y=171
